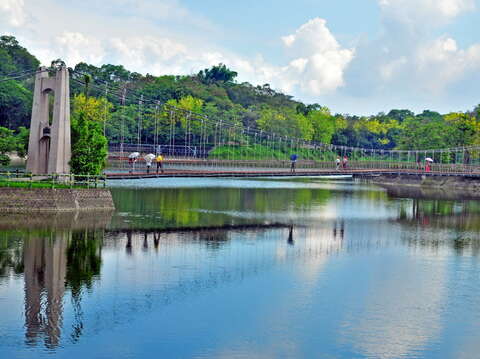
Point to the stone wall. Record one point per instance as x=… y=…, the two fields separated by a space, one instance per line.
x=461 y=182
x=54 y=199
x=433 y=187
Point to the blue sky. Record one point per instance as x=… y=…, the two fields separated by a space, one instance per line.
x=354 y=56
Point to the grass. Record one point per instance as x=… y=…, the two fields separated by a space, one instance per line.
x=36 y=184
x=260 y=152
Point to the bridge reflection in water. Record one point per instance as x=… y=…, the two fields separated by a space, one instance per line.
x=45 y=273
x=70 y=261
x=82 y=282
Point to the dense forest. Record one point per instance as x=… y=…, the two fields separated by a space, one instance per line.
x=118 y=93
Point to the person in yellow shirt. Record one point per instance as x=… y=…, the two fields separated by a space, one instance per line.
x=159 y=160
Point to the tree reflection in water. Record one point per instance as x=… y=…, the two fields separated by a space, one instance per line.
x=56 y=262
x=460 y=218
x=52 y=262
x=84 y=259
x=11 y=255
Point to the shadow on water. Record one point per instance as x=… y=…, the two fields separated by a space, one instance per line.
x=55 y=220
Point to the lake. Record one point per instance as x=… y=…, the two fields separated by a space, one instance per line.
x=264 y=268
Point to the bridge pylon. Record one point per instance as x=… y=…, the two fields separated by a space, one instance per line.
x=49 y=146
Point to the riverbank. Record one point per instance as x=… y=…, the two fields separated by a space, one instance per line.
x=426 y=186
x=55 y=199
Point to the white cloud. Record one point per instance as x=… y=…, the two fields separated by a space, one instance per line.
x=407 y=57
x=390 y=69
x=75 y=47
x=319 y=61
x=148 y=52
x=162 y=37
x=409 y=63
x=422 y=12
x=442 y=63
x=12 y=12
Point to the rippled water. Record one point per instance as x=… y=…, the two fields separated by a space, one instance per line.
x=245 y=269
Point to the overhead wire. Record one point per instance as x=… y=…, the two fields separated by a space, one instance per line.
x=133 y=97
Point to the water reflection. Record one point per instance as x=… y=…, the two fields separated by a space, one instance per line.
x=53 y=255
x=64 y=264
x=190 y=207
x=360 y=273
x=51 y=264
x=45 y=264
x=290 y=240
x=72 y=260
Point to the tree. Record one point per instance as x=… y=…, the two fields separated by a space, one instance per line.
x=15 y=104
x=22 y=59
x=465 y=128
x=287 y=123
x=22 y=139
x=400 y=115
x=219 y=73
x=7 y=144
x=89 y=146
x=426 y=133
x=15 y=95
x=324 y=124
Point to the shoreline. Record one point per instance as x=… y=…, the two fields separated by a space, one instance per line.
x=27 y=200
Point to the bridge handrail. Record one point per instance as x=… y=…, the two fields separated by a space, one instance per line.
x=57 y=180
x=241 y=164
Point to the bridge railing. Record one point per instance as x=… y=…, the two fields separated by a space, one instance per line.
x=118 y=163
x=28 y=180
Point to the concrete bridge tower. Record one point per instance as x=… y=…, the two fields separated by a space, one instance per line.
x=49 y=146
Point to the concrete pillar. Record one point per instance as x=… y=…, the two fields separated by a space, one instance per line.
x=38 y=152
x=60 y=145
x=49 y=148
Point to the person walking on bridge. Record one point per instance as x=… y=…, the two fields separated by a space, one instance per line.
x=293 y=159
x=148 y=161
x=337 y=163
x=159 y=160
x=132 y=158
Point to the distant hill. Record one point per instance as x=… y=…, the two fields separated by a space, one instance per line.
x=215 y=93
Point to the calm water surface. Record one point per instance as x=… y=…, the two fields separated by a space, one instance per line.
x=245 y=269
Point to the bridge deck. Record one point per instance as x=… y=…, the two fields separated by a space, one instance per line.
x=284 y=173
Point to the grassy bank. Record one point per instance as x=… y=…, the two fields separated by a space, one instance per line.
x=259 y=152
x=37 y=184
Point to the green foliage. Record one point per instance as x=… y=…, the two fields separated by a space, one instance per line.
x=15 y=104
x=83 y=260
x=20 y=58
x=36 y=184
x=425 y=133
x=22 y=141
x=257 y=152
x=219 y=73
x=262 y=152
x=324 y=124
x=15 y=95
x=214 y=93
x=89 y=146
x=7 y=144
x=286 y=123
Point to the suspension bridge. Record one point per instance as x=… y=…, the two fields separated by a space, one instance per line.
x=193 y=145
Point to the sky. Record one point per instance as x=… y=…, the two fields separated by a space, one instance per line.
x=353 y=56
